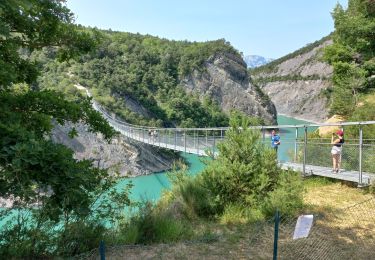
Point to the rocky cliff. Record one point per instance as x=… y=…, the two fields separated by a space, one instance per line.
x=138 y=88
x=226 y=80
x=121 y=156
x=297 y=82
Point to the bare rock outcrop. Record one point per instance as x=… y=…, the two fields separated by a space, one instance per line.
x=225 y=79
x=121 y=155
x=300 y=99
x=296 y=85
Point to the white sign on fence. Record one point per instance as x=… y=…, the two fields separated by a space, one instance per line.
x=303 y=226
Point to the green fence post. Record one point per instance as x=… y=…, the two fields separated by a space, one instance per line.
x=304 y=152
x=360 y=181
x=276 y=237
x=102 y=250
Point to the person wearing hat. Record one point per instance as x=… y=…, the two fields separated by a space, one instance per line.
x=336 y=149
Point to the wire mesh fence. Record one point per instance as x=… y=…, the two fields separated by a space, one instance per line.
x=344 y=234
x=347 y=233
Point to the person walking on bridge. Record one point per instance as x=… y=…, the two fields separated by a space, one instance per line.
x=336 y=150
x=275 y=140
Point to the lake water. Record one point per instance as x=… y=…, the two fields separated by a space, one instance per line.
x=151 y=186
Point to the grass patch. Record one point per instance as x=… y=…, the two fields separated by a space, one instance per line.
x=324 y=193
x=225 y=238
x=316 y=181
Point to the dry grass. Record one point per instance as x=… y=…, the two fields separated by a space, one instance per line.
x=334 y=195
x=370 y=98
x=339 y=232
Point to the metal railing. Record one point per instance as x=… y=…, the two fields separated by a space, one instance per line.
x=298 y=143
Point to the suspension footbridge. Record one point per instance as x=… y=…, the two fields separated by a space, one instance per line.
x=310 y=156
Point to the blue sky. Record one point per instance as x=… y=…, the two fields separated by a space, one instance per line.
x=270 y=28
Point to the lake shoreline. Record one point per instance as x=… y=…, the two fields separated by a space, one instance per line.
x=300 y=118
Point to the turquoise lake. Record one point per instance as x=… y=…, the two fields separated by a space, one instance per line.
x=150 y=187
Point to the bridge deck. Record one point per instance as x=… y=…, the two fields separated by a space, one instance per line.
x=201 y=146
x=196 y=143
x=345 y=175
x=198 y=147
x=180 y=140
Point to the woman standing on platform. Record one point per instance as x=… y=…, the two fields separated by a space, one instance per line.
x=336 y=150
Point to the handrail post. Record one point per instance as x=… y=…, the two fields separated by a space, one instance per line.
x=295 y=145
x=169 y=136
x=198 y=143
x=175 y=139
x=166 y=138
x=185 y=141
x=213 y=146
x=263 y=135
x=304 y=151
x=206 y=138
x=158 y=136
x=360 y=154
x=143 y=134
x=194 y=134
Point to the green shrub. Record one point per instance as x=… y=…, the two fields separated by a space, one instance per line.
x=240 y=214
x=287 y=197
x=23 y=240
x=188 y=192
x=79 y=237
x=197 y=199
x=150 y=225
x=244 y=172
x=243 y=183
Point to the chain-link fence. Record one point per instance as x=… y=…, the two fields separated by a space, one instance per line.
x=347 y=233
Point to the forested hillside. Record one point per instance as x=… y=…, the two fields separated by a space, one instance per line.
x=352 y=56
x=139 y=78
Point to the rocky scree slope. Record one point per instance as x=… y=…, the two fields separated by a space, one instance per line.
x=226 y=80
x=297 y=83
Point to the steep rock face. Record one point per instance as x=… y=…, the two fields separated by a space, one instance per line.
x=300 y=99
x=296 y=85
x=226 y=80
x=121 y=155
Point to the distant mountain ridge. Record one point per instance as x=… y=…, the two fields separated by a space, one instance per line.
x=253 y=61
